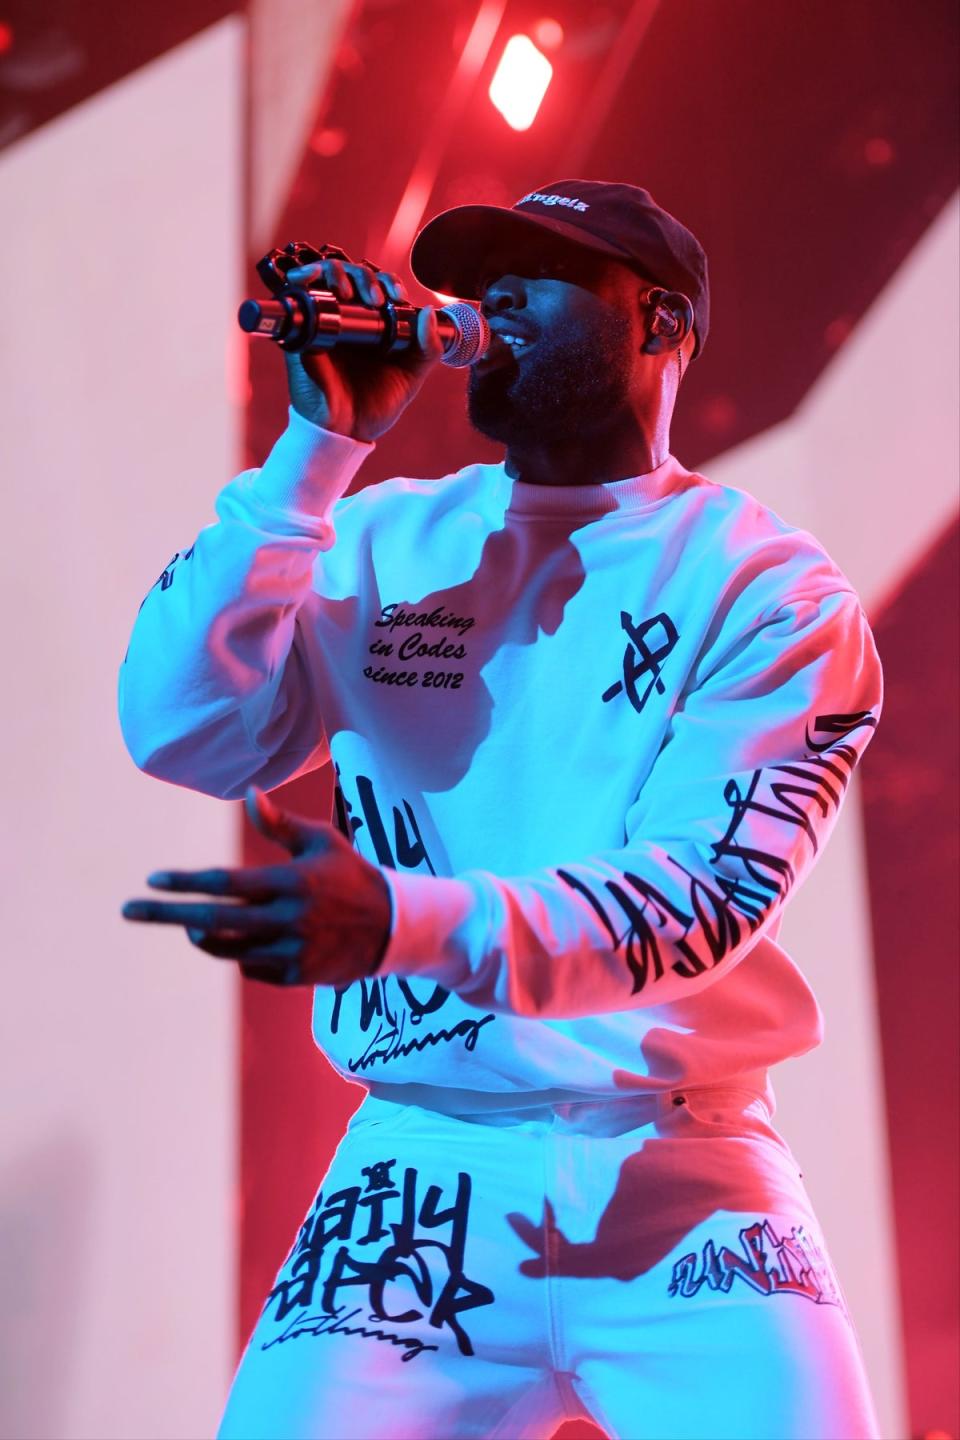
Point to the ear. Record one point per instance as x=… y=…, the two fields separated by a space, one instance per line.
x=661 y=306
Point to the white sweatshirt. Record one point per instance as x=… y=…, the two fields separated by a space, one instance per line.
x=596 y=735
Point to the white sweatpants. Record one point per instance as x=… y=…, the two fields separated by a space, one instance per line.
x=650 y=1262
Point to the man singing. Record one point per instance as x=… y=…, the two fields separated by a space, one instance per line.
x=592 y=718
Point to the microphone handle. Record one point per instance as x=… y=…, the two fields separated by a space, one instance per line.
x=313 y=320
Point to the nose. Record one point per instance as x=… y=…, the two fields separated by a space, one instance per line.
x=507 y=293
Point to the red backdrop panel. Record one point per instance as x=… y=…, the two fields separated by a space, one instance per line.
x=293 y=1107
x=910 y=816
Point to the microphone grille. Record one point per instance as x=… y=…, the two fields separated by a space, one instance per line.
x=473 y=335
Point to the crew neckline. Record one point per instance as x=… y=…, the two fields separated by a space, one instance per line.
x=633 y=493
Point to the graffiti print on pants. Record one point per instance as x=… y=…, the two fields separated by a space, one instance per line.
x=400 y=1253
x=772 y=1264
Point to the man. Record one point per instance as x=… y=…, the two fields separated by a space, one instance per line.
x=592 y=718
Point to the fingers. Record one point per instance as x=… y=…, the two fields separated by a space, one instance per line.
x=265 y=921
x=357 y=280
x=276 y=963
x=287 y=830
x=250 y=949
x=299 y=836
x=392 y=284
x=350 y=281
x=265 y=882
x=428 y=334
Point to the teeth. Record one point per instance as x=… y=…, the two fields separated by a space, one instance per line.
x=512 y=340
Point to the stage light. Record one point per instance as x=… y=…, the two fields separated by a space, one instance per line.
x=520 y=82
x=328 y=142
x=548 y=34
x=878 y=152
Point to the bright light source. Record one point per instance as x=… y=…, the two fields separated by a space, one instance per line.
x=520 y=82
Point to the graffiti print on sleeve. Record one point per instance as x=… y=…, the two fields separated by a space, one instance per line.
x=167 y=575
x=417 y=1277
x=752 y=879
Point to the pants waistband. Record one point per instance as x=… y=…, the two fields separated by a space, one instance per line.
x=624 y=1109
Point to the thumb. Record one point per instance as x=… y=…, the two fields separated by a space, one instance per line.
x=428 y=335
x=275 y=823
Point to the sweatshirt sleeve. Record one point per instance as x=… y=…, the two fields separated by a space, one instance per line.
x=743 y=795
x=214 y=691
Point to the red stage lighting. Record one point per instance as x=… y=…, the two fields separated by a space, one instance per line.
x=520 y=82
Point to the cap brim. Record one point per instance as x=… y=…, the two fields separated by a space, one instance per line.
x=451 y=251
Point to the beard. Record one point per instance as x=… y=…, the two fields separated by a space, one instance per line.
x=567 y=385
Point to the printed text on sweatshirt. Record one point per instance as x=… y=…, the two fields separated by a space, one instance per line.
x=596 y=735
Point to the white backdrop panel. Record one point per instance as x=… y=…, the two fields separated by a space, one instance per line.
x=118 y=1057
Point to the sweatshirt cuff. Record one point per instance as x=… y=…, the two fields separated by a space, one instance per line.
x=308 y=469
x=429 y=920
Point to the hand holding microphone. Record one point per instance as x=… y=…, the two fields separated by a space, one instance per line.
x=356 y=351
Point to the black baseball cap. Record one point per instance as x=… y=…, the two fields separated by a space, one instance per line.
x=619 y=220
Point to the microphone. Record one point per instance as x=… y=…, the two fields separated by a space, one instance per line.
x=311 y=320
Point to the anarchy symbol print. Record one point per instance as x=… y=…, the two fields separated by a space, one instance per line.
x=640 y=659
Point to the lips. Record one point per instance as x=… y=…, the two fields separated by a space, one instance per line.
x=501 y=349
